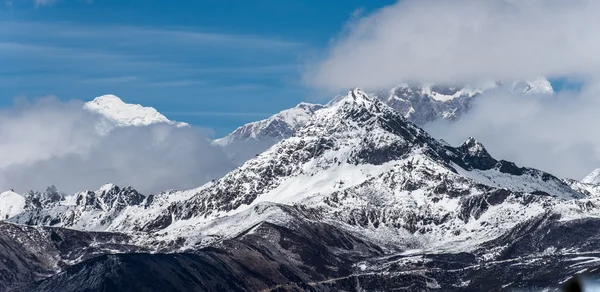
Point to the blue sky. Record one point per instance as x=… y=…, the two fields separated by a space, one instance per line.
x=215 y=64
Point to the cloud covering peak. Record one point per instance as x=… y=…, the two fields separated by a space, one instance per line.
x=49 y=142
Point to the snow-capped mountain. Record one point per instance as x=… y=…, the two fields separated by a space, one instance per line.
x=359 y=198
x=356 y=145
x=123 y=114
x=11 y=204
x=361 y=146
x=419 y=103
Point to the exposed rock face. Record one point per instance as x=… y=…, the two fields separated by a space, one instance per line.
x=28 y=254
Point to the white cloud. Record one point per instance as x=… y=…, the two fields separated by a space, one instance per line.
x=553 y=133
x=462 y=41
x=48 y=142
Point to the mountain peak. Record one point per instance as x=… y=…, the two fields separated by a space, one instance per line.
x=308 y=106
x=355 y=99
x=474 y=147
x=11 y=204
x=124 y=114
x=359 y=96
x=592 y=178
x=108 y=98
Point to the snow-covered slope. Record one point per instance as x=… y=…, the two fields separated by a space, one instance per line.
x=253 y=138
x=85 y=210
x=592 y=178
x=11 y=204
x=123 y=114
x=281 y=125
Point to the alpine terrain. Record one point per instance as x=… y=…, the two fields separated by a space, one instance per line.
x=352 y=196
x=419 y=103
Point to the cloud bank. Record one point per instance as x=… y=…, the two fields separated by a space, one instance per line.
x=48 y=142
x=554 y=133
x=462 y=41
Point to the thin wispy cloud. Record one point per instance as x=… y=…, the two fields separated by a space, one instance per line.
x=462 y=41
x=266 y=69
x=218 y=114
x=123 y=34
x=39 y=3
x=207 y=38
x=112 y=80
x=172 y=57
x=177 y=83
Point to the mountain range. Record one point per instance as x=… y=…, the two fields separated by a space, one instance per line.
x=351 y=196
x=419 y=103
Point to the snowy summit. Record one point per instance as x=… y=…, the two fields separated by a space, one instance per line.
x=124 y=114
x=592 y=178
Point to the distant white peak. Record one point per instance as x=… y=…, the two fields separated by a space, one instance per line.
x=124 y=114
x=298 y=115
x=11 y=204
x=309 y=106
x=106 y=187
x=279 y=126
x=593 y=178
x=537 y=86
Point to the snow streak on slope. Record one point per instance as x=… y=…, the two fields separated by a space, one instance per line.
x=123 y=114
